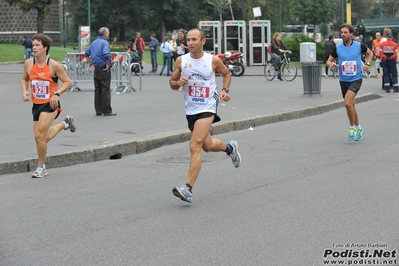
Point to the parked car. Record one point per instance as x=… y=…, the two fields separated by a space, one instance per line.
x=337 y=40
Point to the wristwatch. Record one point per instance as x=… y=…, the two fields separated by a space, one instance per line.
x=367 y=64
x=57 y=93
x=226 y=89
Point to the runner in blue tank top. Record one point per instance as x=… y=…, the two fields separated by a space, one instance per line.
x=349 y=53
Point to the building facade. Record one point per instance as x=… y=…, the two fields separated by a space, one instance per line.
x=14 y=24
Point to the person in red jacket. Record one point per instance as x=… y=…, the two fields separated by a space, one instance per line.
x=139 y=45
x=389 y=54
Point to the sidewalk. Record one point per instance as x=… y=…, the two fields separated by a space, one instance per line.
x=17 y=68
x=153 y=117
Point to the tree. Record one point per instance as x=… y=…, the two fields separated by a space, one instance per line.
x=361 y=10
x=41 y=6
x=314 y=12
x=390 y=7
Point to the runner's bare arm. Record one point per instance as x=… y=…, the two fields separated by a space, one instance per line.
x=218 y=66
x=62 y=75
x=25 y=80
x=369 y=55
x=176 y=81
x=223 y=70
x=331 y=62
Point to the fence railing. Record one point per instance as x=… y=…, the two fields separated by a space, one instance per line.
x=79 y=71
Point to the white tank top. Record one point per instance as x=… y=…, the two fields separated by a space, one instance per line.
x=200 y=92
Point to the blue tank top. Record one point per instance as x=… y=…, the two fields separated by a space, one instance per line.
x=350 y=61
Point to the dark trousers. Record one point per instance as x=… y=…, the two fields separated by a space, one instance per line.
x=167 y=58
x=154 y=60
x=277 y=61
x=140 y=53
x=390 y=74
x=173 y=60
x=102 y=90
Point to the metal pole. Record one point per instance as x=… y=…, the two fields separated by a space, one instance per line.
x=380 y=9
x=88 y=12
x=231 y=10
x=63 y=22
x=348 y=12
x=343 y=12
x=67 y=14
x=279 y=16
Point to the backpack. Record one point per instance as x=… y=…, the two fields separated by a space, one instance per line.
x=269 y=49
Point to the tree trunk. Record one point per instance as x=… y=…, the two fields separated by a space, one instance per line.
x=122 y=33
x=39 y=20
x=163 y=31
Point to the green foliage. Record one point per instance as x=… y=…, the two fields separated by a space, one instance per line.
x=26 y=6
x=124 y=18
x=293 y=43
x=314 y=12
x=16 y=52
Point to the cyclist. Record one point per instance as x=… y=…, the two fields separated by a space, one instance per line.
x=276 y=50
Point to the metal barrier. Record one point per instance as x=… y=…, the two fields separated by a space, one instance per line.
x=79 y=71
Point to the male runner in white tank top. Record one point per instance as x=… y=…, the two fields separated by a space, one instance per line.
x=195 y=72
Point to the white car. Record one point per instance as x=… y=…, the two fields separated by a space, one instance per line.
x=337 y=40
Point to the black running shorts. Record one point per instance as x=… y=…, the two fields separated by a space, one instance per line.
x=352 y=86
x=39 y=108
x=192 y=118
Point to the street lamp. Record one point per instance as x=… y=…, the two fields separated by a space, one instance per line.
x=67 y=15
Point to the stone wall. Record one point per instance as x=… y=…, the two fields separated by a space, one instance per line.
x=14 y=24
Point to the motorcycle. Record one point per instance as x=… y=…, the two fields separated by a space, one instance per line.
x=234 y=62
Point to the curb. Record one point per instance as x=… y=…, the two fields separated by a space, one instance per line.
x=245 y=74
x=130 y=147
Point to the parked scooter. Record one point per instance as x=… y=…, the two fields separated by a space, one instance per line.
x=234 y=62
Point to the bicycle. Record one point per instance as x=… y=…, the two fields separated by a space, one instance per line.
x=366 y=74
x=287 y=68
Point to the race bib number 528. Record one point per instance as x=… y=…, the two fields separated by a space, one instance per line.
x=41 y=89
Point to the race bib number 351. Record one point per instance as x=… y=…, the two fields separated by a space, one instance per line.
x=41 y=89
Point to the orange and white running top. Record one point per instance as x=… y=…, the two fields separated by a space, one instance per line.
x=42 y=83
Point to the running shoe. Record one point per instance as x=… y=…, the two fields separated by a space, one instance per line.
x=359 y=133
x=235 y=155
x=69 y=119
x=40 y=172
x=182 y=192
x=352 y=133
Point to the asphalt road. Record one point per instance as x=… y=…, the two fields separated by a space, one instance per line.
x=152 y=117
x=302 y=189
